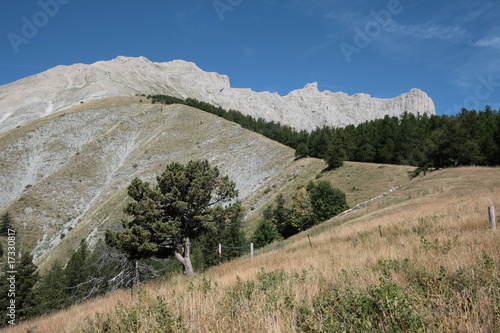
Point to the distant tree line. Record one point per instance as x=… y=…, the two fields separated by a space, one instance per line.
x=427 y=141
x=468 y=138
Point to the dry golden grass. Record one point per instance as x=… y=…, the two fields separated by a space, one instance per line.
x=359 y=181
x=436 y=222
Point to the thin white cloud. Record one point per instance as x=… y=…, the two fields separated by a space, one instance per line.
x=428 y=30
x=493 y=42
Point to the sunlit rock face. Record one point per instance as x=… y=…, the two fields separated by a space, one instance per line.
x=61 y=87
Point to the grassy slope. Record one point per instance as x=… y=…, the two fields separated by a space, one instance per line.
x=72 y=184
x=87 y=155
x=359 y=181
x=438 y=223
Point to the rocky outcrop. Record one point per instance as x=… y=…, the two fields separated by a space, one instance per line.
x=61 y=87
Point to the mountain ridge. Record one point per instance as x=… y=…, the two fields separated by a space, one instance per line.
x=60 y=173
x=308 y=108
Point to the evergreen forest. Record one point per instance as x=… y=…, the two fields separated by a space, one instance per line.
x=468 y=138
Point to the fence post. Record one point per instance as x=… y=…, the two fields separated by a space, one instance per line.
x=251 y=250
x=491 y=213
x=220 y=253
x=380 y=231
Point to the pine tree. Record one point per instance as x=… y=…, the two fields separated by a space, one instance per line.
x=265 y=233
x=233 y=236
x=26 y=278
x=335 y=156
x=319 y=140
x=186 y=200
x=281 y=218
x=302 y=150
x=229 y=233
x=51 y=294
x=79 y=272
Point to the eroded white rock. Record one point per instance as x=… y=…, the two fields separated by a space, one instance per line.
x=63 y=86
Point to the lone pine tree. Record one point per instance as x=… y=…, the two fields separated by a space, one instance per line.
x=186 y=201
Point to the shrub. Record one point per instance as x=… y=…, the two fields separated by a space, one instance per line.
x=382 y=308
x=146 y=315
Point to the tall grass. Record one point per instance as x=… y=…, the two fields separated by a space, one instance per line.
x=436 y=268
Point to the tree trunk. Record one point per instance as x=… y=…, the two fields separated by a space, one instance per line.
x=135 y=281
x=186 y=260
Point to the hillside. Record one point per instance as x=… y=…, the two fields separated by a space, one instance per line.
x=64 y=176
x=434 y=268
x=61 y=87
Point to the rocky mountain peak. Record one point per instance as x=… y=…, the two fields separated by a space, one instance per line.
x=56 y=89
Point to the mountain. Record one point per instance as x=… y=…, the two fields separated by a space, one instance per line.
x=64 y=176
x=61 y=87
x=73 y=137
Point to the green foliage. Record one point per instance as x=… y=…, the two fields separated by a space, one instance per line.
x=468 y=138
x=229 y=233
x=273 y=289
x=265 y=233
x=436 y=246
x=166 y=99
x=440 y=294
x=302 y=150
x=335 y=156
x=275 y=131
x=146 y=315
x=319 y=141
x=382 y=308
x=26 y=278
x=326 y=201
x=407 y=298
x=280 y=217
x=79 y=271
x=301 y=212
x=51 y=294
x=186 y=201
x=83 y=276
x=316 y=203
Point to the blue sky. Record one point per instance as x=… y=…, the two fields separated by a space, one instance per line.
x=449 y=49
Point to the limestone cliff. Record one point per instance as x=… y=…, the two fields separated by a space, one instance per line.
x=64 y=86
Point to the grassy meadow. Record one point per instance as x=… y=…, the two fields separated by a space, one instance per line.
x=420 y=259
